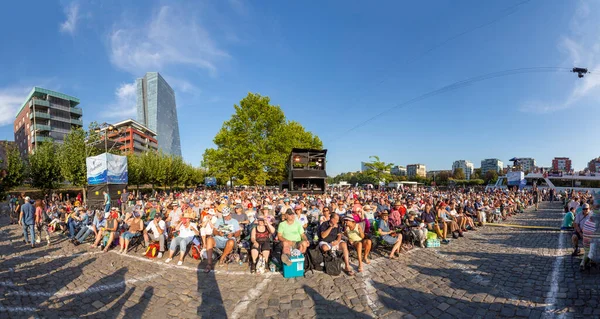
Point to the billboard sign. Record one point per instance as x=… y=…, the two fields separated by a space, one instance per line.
x=210 y=181
x=515 y=178
x=106 y=169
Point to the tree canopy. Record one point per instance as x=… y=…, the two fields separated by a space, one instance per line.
x=378 y=169
x=458 y=174
x=44 y=168
x=254 y=144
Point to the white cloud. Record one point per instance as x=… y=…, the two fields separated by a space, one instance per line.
x=124 y=106
x=582 y=49
x=172 y=37
x=11 y=99
x=72 y=13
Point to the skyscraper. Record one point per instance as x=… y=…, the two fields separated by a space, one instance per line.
x=156 y=109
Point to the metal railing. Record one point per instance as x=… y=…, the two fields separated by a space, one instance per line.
x=40 y=127
x=39 y=114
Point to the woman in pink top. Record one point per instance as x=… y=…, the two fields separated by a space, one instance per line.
x=359 y=216
x=41 y=221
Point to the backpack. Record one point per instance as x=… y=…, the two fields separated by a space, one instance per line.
x=152 y=250
x=314 y=260
x=333 y=264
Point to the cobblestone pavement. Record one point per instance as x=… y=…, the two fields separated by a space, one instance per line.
x=494 y=272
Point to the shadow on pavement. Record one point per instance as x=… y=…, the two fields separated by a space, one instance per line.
x=419 y=303
x=330 y=309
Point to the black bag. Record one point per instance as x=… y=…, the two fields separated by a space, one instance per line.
x=333 y=264
x=314 y=260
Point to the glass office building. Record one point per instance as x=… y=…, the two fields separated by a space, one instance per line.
x=156 y=109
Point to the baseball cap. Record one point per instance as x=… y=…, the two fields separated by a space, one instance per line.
x=586 y=205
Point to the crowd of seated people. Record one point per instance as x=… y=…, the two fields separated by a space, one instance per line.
x=270 y=224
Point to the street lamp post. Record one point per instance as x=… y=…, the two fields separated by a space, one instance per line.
x=105 y=129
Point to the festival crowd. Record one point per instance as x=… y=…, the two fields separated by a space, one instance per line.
x=268 y=226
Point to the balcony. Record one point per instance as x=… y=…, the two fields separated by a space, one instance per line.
x=40 y=115
x=39 y=139
x=76 y=110
x=77 y=122
x=40 y=127
x=41 y=103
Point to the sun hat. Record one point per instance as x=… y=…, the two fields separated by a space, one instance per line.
x=226 y=211
x=349 y=219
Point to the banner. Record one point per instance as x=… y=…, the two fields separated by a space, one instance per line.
x=117 y=169
x=210 y=181
x=106 y=169
x=96 y=169
x=515 y=178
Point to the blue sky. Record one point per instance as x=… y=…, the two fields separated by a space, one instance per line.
x=330 y=65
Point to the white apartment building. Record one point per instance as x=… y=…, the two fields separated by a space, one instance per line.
x=466 y=166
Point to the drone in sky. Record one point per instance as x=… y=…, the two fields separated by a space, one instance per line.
x=580 y=72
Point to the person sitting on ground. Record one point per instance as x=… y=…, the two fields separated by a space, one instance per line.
x=207 y=225
x=136 y=225
x=391 y=237
x=242 y=219
x=580 y=219
x=112 y=224
x=395 y=215
x=291 y=234
x=261 y=241
x=158 y=229
x=76 y=218
x=331 y=240
x=356 y=238
x=429 y=217
x=187 y=230
x=369 y=214
x=567 y=223
x=468 y=220
x=359 y=217
x=174 y=216
x=417 y=227
x=452 y=225
x=300 y=216
x=326 y=215
x=226 y=234
x=455 y=216
x=85 y=231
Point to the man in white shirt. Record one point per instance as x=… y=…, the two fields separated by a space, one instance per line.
x=156 y=231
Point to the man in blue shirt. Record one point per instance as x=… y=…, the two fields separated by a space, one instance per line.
x=27 y=220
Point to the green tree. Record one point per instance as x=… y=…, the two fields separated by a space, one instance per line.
x=254 y=144
x=476 y=174
x=458 y=174
x=491 y=177
x=379 y=169
x=71 y=159
x=44 y=167
x=16 y=168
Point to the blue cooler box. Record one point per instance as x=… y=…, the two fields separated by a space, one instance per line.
x=296 y=269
